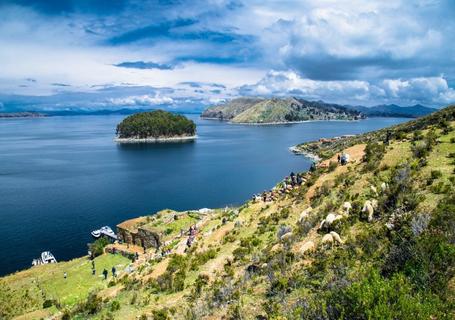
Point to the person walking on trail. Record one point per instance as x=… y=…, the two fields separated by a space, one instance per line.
x=114 y=272
x=105 y=274
x=65 y=275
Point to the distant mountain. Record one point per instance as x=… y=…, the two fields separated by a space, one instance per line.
x=278 y=110
x=393 y=110
x=80 y=112
x=21 y=115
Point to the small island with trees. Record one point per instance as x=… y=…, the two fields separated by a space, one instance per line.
x=155 y=126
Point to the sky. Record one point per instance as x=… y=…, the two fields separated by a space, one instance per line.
x=186 y=55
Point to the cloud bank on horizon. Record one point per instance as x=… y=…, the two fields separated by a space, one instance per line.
x=61 y=54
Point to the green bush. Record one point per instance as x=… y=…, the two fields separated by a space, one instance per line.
x=115 y=305
x=436 y=174
x=378 y=298
x=97 y=247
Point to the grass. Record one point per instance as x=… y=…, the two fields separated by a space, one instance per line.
x=365 y=246
x=46 y=282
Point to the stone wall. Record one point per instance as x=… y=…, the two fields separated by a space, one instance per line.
x=140 y=237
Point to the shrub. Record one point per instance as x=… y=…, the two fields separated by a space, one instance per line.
x=97 y=247
x=332 y=166
x=92 y=305
x=436 y=174
x=377 y=298
x=48 y=303
x=115 y=305
x=161 y=314
x=374 y=152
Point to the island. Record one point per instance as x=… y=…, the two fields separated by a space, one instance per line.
x=246 y=110
x=155 y=126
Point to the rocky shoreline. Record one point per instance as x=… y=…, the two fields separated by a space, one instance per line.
x=296 y=150
x=155 y=140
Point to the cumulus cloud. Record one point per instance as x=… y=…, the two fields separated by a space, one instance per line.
x=430 y=90
x=143 y=100
x=364 y=40
x=335 y=50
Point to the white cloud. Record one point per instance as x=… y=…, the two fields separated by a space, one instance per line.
x=365 y=51
x=431 y=90
x=143 y=100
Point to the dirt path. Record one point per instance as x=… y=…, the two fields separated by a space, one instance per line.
x=355 y=153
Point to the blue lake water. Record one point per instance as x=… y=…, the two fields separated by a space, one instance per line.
x=61 y=177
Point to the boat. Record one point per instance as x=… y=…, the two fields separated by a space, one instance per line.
x=104 y=231
x=48 y=257
x=96 y=233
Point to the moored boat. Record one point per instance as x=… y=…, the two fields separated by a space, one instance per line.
x=48 y=257
x=45 y=258
x=104 y=231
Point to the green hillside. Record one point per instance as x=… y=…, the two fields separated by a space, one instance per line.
x=372 y=239
x=278 y=110
x=230 y=109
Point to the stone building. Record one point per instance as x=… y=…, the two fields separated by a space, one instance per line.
x=137 y=232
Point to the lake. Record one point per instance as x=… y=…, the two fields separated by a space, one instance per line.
x=62 y=177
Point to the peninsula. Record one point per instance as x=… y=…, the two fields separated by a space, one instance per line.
x=155 y=126
x=278 y=111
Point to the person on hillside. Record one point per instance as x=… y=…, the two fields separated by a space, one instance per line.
x=114 y=274
x=93 y=271
x=137 y=256
x=339 y=158
x=93 y=264
x=105 y=274
x=65 y=275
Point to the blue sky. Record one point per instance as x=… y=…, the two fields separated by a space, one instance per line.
x=110 y=54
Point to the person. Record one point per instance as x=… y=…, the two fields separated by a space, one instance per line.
x=64 y=275
x=114 y=272
x=105 y=274
x=137 y=256
x=93 y=264
x=93 y=271
x=339 y=158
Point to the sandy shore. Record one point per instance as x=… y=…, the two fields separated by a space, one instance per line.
x=155 y=140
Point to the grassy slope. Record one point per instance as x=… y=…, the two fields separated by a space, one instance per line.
x=275 y=110
x=230 y=109
x=268 y=111
x=286 y=283
x=27 y=290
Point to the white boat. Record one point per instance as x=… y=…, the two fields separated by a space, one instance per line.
x=36 y=262
x=48 y=257
x=104 y=231
x=96 y=233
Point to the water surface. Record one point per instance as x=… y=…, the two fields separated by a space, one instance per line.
x=61 y=177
